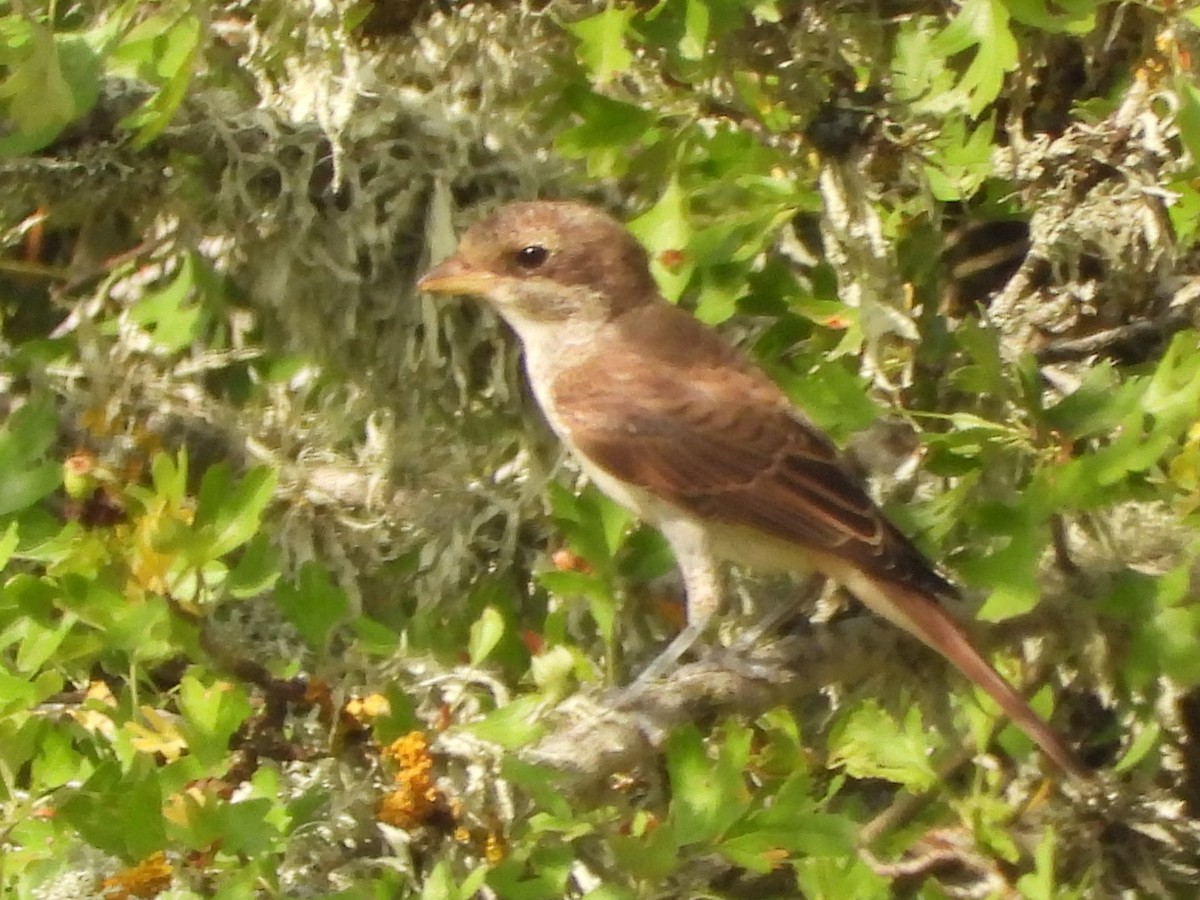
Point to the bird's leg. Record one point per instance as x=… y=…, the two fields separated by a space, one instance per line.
x=734 y=658
x=674 y=651
x=701 y=580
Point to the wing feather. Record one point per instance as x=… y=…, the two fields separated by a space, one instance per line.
x=725 y=444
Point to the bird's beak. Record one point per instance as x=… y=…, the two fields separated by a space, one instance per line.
x=453 y=276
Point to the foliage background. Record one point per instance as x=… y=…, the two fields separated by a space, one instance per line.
x=294 y=580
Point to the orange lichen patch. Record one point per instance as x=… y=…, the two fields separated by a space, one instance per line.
x=317 y=695
x=149 y=878
x=364 y=710
x=416 y=798
x=494 y=848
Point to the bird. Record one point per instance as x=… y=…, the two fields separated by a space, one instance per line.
x=680 y=427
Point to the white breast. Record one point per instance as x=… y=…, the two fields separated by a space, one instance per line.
x=546 y=355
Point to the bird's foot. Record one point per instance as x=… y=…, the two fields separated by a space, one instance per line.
x=737 y=660
x=669 y=658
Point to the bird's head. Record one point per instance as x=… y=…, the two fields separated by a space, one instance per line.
x=542 y=262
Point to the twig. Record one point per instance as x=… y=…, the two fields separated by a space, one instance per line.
x=595 y=736
x=1124 y=340
x=1062 y=547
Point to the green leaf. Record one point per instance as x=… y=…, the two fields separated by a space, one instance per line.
x=512 y=726
x=143 y=630
x=54 y=81
x=1185 y=211
x=439 y=883
x=833 y=396
x=1010 y=573
x=792 y=822
x=1188 y=117
x=1173 y=637
x=109 y=796
x=18 y=693
x=842 y=876
x=1173 y=394
x=39 y=642
x=169 y=477
x=1100 y=403
x=719 y=292
x=212 y=713
x=594 y=525
x=610 y=892
x=540 y=783
x=1078 y=16
x=917 y=72
x=608 y=131
x=8 y=543
x=615 y=520
x=601 y=39
x=983 y=25
x=375 y=638
x=314 y=604
x=21 y=488
x=58 y=762
x=694 y=43
x=707 y=795
x=806 y=834
x=1145 y=740
x=486 y=633
x=961 y=160
x=28 y=434
x=251 y=827
x=257 y=569
x=869 y=743
x=229 y=514
x=162 y=50
x=665 y=229
x=173 y=322
x=24 y=477
x=651 y=855
x=1040 y=884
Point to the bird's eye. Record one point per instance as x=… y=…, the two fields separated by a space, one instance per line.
x=532 y=256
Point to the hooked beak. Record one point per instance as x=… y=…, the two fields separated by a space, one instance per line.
x=453 y=276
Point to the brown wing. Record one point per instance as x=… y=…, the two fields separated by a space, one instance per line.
x=725 y=444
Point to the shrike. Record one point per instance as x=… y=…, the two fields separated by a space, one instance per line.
x=672 y=422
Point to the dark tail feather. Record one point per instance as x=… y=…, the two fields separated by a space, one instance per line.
x=924 y=617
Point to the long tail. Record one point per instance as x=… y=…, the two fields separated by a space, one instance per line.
x=925 y=618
